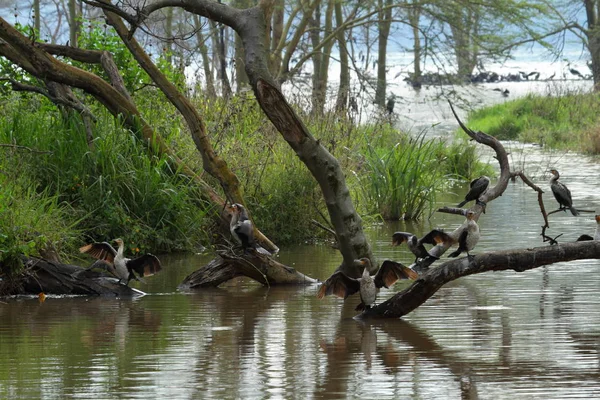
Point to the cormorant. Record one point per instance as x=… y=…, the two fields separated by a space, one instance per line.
x=120 y=266
x=469 y=235
x=390 y=105
x=242 y=229
x=478 y=186
x=596 y=233
x=562 y=194
x=343 y=286
x=416 y=245
x=576 y=73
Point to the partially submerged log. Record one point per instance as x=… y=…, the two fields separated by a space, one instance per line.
x=41 y=275
x=257 y=266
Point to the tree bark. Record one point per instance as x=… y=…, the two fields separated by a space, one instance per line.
x=385 y=22
x=343 y=91
x=73 y=24
x=206 y=64
x=262 y=269
x=592 y=9
x=414 y=14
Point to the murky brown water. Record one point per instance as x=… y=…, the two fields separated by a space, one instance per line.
x=533 y=335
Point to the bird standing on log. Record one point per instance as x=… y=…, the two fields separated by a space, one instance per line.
x=415 y=245
x=477 y=187
x=120 y=266
x=343 y=286
x=562 y=194
x=242 y=229
x=469 y=235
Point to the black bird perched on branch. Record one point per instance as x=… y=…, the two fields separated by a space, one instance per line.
x=562 y=194
x=390 y=105
x=242 y=229
x=343 y=286
x=596 y=233
x=478 y=186
x=469 y=235
x=116 y=263
x=416 y=245
x=576 y=73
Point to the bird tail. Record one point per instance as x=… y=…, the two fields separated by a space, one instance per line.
x=455 y=253
x=462 y=203
x=574 y=211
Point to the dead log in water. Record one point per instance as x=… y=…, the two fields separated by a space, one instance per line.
x=259 y=267
x=39 y=275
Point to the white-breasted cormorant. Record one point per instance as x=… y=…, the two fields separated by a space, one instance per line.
x=562 y=194
x=469 y=235
x=119 y=265
x=415 y=245
x=343 y=286
x=477 y=187
x=242 y=229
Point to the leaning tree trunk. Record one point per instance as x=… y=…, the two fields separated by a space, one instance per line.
x=250 y=24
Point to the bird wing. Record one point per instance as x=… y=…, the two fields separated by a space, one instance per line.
x=462 y=243
x=391 y=271
x=244 y=229
x=146 y=265
x=562 y=194
x=436 y=236
x=340 y=285
x=101 y=251
x=400 y=237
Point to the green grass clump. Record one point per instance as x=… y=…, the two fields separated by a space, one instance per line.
x=31 y=222
x=400 y=182
x=115 y=188
x=568 y=121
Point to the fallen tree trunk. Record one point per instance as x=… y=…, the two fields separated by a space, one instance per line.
x=259 y=267
x=40 y=275
x=519 y=260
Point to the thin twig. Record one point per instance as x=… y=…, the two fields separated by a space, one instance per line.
x=16 y=146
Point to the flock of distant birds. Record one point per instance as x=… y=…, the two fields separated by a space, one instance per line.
x=466 y=237
x=435 y=78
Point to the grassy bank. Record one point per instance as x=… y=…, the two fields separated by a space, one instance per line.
x=567 y=121
x=77 y=193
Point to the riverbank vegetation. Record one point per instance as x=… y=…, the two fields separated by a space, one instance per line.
x=58 y=190
x=568 y=121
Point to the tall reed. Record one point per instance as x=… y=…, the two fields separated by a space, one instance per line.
x=401 y=182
